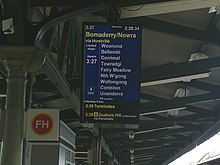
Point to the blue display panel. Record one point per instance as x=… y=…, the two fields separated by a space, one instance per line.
x=111 y=73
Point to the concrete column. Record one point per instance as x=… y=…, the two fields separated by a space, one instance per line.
x=96 y=149
x=14 y=115
x=28 y=99
x=18 y=61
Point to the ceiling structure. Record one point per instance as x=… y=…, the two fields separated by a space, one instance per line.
x=180 y=82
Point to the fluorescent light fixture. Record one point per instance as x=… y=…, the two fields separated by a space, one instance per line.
x=180 y=92
x=161 y=111
x=86 y=152
x=3 y=95
x=152 y=130
x=147 y=148
x=167 y=7
x=145 y=156
x=149 y=158
x=214 y=9
x=80 y=158
x=8 y=26
x=177 y=79
x=102 y=162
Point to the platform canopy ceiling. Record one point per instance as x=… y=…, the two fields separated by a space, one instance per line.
x=180 y=60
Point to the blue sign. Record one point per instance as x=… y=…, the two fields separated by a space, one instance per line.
x=111 y=76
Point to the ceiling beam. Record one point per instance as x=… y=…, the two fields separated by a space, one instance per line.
x=153 y=75
x=194 y=119
x=44 y=86
x=142 y=127
x=200 y=112
x=63 y=45
x=149 y=97
x=58 y=3
x=50 y=35
x=182 y=137
x=155 y=135
x=175 y=29
x=136 y=145
x=176 y=103
x=200 y=116
x=211 y=35
x=54 y=74
x=49 y=98
x=149 y=151
x=121 y=3
x=197 y=118
x=154 y=160
x=152 y=154
x=167 y=7
x=202 y=85
x=195 y=109
x=149 y=154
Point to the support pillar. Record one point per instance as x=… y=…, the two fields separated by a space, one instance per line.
x=28 y=100
x=96 y=149
x=18 y=61
x=14 y=115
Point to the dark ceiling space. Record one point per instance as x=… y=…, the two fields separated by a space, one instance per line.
x=180 y=82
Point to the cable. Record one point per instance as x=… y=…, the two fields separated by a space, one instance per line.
x=141 y=6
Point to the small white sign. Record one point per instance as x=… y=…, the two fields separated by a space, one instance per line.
x=42 y=125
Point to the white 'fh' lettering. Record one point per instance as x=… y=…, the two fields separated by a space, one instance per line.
x=42 y=124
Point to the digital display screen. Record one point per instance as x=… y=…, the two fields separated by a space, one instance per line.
x=111 y=73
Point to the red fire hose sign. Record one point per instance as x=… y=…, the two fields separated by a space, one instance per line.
x=42 y=124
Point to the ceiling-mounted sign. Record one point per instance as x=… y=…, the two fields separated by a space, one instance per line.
x=111 y=75
x=42 y=124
